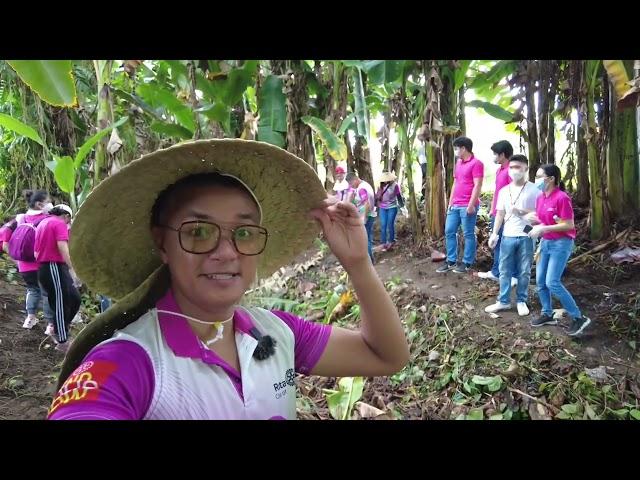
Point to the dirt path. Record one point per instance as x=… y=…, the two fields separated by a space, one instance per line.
x=28 y=361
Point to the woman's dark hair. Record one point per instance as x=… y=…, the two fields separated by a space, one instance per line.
x=167 y=197
x=464 y=142
x=34 y=196
x=502 y=147
x=552 y=170
x=58 y=212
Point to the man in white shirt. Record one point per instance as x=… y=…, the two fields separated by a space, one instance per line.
x=515 y=200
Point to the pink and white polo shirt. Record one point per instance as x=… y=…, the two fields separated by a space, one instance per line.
x=158 y=369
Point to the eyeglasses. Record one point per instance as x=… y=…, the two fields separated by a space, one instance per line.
x=204 y=237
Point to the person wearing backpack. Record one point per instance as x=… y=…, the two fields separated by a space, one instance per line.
x=19 y=245
x=56 y=273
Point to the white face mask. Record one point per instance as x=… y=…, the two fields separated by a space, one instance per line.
x=47 y=207
x=456 y=152
x=495 y=158
x=516 y=175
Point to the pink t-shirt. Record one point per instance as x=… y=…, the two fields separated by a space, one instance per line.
x=464 y=174
x=502 y=179
x=557 y=203
x=50 y=231
x=122 y=377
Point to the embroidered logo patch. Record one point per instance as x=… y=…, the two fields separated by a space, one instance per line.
x=83 y=384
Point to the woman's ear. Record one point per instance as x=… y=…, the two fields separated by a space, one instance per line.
x=157 y=234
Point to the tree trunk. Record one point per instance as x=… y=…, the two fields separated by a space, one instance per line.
x=622 y=155
x=462 y=117
x=553 y=90
x=532 y=130
x=193 y=99
x=299 y=140
x=362 y=161
x=599 y=217
x=105 y=114
x=448 y=108
x=583 y=188
x=543 y=111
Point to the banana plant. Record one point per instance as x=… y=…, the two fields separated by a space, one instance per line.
x=51 y=80
x=342 y=401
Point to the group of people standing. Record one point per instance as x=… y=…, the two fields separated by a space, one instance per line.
x=383 y=203
x=37 y=241
x=521 y=213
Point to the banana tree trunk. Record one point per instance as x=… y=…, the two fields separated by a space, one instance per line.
x=543 y=111
x=103 y=70
x=299 y=136
x=600 y=226
x=532 y=129
x=462 y=118
x=405 y=151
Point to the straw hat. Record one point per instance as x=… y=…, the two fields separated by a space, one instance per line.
x=388 y=177
x=112 y=248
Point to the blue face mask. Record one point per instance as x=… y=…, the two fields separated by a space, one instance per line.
x=540 y=184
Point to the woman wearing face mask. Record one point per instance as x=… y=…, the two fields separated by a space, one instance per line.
x=180 y=342
x=39 y=204
x=554 y=222
x=55 y=272
x=514 y=201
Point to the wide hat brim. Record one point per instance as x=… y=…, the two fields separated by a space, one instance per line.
x=388 y=177
x=111 y=246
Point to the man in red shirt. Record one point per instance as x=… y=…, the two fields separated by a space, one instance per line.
x=502 y=152
x=463 y=206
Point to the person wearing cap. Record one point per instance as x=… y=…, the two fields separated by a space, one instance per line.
x=363 y=198
x=55 y=274
x=178 y=256
x=341 y=187
x=388 y=198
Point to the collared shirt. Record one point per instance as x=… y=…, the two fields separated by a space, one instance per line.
x=464 y=174
x=502 y=179
x=557 y=203
x=157 y=368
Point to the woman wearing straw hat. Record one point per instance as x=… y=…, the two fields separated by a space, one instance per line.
x=55 y=274
x=178 y=254
x=388 y=198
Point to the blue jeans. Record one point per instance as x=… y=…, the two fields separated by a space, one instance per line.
x=388 y=224
x=369 y=226
x=105 y=303
x=35 y=296
x=554 y=255
x=516 y=251
x=495 y=269
x=457 y=216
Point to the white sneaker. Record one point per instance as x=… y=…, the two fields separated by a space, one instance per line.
x=49 y=330
x=514 y=282
x=488 y=275
x=30 y=322
x=523 y=310
x=497 y=307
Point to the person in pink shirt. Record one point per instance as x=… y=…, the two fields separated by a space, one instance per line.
x=502 y=152
x=463 y=207
x=39 y=204
x=554 y=223
x=55 y=271
x=182 y=342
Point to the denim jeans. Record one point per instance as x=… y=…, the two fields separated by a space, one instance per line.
x=554 y=255
x=457 y=216
x=369 y=226
x=495 y=269
x=105 y=303
x=515 y=251
x=35 y=295
x=388 y=224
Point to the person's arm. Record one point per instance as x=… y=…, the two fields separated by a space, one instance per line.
x=5 y=247
x=453 y=189
x=478 y=175
x=63 y=248
x=475 y=194
x=379 y=347
x=115 y=382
